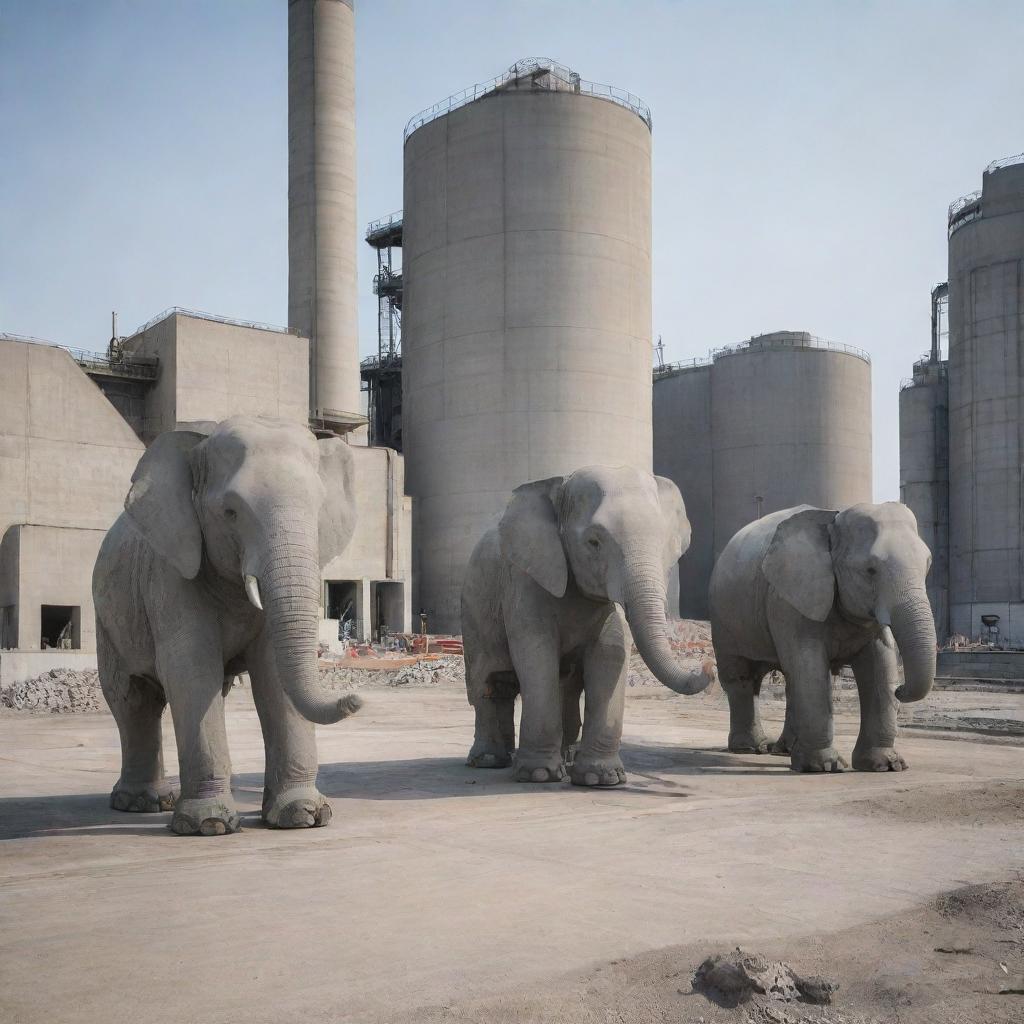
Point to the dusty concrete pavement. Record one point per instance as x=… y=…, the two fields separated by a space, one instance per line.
x=436 y=884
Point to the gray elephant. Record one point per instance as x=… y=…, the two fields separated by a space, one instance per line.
x=214 y=569
x=809 y=590
x=546 y=599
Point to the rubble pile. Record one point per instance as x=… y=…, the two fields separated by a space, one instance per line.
x=59 y=691
x=733 y=978
x=432 y=672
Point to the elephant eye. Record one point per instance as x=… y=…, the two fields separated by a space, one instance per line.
x=230 y=514
x=872 y=571
x=594 y=543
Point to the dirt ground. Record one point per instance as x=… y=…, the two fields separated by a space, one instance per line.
x=444 y=894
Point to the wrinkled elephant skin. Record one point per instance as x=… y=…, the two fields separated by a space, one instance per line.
x=214 y=569
x=808 y=591
x=545 y=605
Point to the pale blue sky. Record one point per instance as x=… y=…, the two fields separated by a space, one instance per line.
x=804 y=154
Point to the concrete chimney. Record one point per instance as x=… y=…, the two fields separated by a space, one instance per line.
x=322 y=237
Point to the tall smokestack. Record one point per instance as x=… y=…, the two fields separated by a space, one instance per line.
x=322 y=202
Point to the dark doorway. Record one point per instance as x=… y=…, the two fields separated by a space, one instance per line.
x=60 y=626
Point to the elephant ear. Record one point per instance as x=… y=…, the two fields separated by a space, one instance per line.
x=798 y=564
x=530 y=537
x=673 y=508
x=338 y=512
x=160 y=505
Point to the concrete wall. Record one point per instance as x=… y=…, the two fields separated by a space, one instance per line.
x=210 y=370
x=66 y=460
x=789 y=425
x=322 y=231
x=527 y=312
x=986 y=410
x=924 y=476
x=682 y=452
x=381 y=547
x=16 y=666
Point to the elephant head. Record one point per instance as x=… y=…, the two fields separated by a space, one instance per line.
x=870 y=564
x=256 y=507
x=618 y=533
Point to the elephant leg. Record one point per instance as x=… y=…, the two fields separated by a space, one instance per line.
x=597 y=761
x=805 y=663
x=494 y=736
x=784 y=744
x=494 y=700
x=741 y=681
x=875 y=670
x=290 y=796
x=533 y=644
x=572 y=720
x=137 y=706
x=191 y=670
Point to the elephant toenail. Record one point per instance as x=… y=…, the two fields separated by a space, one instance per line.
x=540 y=775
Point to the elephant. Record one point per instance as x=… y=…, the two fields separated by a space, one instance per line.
x=213 y=569
x=809 y=590
x=547 y=596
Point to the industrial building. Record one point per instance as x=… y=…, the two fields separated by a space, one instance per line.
x=780 y=420
x=74 y=425
x=962 y=419
x=526 y=314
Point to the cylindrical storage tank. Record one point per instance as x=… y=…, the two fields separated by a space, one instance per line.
x=924 y=474
x=986 y=404
x=682 y=452
x=790 y=425
x=322 y=234
x=526 y=329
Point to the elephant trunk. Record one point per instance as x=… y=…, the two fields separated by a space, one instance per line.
x=914 y=631
x=289 y=587
x=644 y=602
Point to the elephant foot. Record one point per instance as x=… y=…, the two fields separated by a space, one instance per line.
x=781 y=746
x=878 y=759
x=537 y=769
x=142 y=797
x=826 y=759
x=487 y=754
x=198 y=817
x=303 y=807
x=748 y=743
x=605 y=772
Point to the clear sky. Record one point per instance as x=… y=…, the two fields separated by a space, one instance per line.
x=804 y=154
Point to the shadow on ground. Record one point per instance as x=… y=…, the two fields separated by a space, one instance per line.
x=428 y=778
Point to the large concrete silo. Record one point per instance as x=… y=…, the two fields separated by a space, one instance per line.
x=986 y=404
x=527 y=303
x=790 y=425
x=924 y=462
x=322 y=235
x=682 y=452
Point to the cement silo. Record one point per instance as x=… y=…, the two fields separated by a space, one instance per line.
x=527 y=302
x=322 y=236
x=986 y=405
x=682 y=452
x=790 y=424
x=924 y=461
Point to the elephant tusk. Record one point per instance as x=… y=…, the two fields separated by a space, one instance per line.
x=252 y=591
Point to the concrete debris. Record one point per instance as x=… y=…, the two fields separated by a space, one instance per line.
x=59 y=691
x=734 y=978
x=435 y=672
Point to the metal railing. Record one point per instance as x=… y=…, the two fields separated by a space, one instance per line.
x=964 y=210
x=392 y=220
x=1007 y=161
x=769 y=342
x=143 y=369
x=181 y=311
x=565 y=79
x=670 y=369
